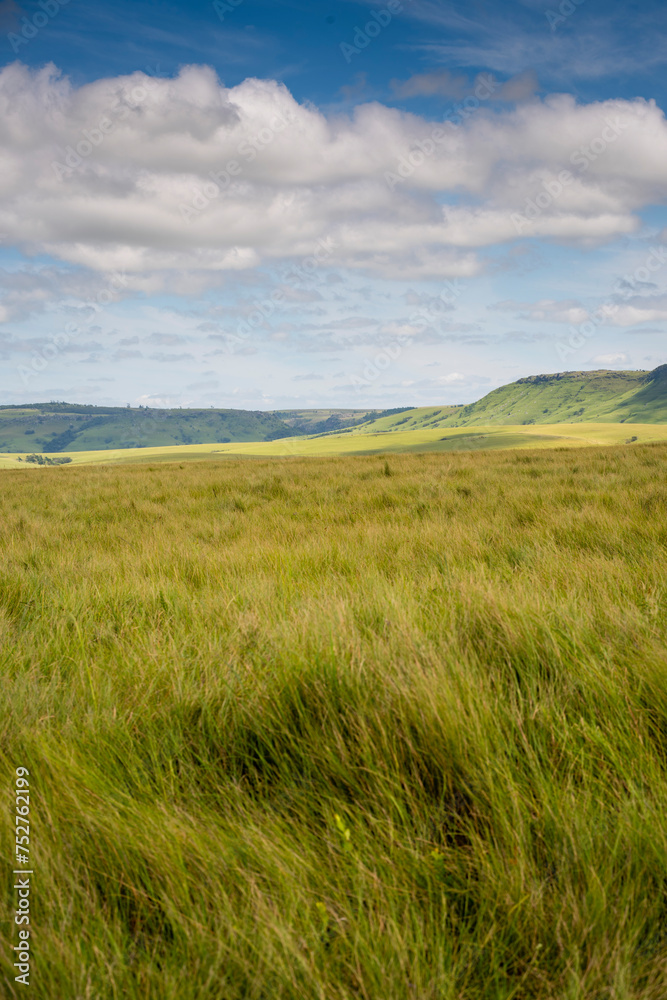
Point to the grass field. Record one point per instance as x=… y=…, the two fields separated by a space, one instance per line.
x=384 y=440
x=351 y=727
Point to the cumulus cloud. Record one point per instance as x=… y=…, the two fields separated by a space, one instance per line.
x=630 y=315
x=177 y=182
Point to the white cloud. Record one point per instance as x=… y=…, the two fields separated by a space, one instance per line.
x=629 y=315
x=120 y=206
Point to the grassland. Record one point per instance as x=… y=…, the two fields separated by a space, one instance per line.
x=608 y=397
x=386 y=439
x=339 y=728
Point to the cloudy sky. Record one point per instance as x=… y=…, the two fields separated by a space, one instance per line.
x=302 y=203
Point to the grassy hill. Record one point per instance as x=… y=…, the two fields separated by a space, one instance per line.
x=57 y=427
x=570 y=397
x=607 y=397
x=634 y=397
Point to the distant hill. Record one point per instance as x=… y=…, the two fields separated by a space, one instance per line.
x=637 y=397
x=54 y=427
x=572 y=397
x=567 y=397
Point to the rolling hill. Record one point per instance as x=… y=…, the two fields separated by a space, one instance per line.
x=598 y=397
x=57 y=427
x=571 y=397
x=633 y=397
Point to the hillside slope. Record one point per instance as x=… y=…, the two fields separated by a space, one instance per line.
x=56 y=427
x=571 y=397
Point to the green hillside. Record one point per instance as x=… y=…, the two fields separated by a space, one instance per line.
x=54 y=427
x=568 y=397
x=572 y=397
x=635 y=397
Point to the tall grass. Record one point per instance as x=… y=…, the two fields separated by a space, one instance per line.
x=392 y=729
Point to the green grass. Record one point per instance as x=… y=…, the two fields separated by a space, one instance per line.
x=352 y=727
x=361 y=441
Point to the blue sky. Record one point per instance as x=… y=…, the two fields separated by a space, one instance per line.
x=292 y=204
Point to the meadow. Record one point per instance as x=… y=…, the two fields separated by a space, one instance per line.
x=388 y=435
x=390 y=727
